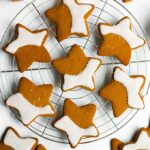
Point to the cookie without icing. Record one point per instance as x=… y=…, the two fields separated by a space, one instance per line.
x=28 y=47
x=119 y=40
x=5 y=147
x=32 y=101
x=14 y=142
x=70 y=18
x=78 y=70
x=77 y=122
x=116 y=144
x=125 y=92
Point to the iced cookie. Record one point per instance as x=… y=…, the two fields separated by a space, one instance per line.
x=40 y=147
x=77 y=122
x=70 y=18
x=28 y=47
x=32 y=101
x=140 y=142
x=125 y=92
x=14 y=142
x=77 y=69
x=119 y=40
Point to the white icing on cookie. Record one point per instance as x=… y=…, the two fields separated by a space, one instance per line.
x=142 y=143
x=85 y=78
x=12 y=140
x=132 y=86
x=73 y=131
x=26 y=38
x=123 y=29
x=78 y=12
x=27 y=111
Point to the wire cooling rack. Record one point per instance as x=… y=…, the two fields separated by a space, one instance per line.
x=32 y=16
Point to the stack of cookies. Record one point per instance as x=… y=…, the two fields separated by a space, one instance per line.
x=77 y=70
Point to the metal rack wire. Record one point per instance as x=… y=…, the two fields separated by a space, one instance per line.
x=32 y=16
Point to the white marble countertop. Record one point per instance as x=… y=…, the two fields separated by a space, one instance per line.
x=140 y=9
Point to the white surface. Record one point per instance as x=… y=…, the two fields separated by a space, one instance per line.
x=140 y=9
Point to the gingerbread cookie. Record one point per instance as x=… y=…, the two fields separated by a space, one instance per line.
x=125 y=91
x=116 y=144
x=78 y=70
x=70 y=18
x=119 y=40
x=40 y=147
x=140 y=142
x=77 y=122
x=32 y=101
x=28 y=47
x=14 y=142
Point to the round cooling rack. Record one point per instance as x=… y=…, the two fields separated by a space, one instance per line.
x=107 y=11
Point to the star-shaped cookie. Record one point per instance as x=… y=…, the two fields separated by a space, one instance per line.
x=13 y=140
x=70 y=18
x=77 y=122
x=125 y=91
x=28 y=47
x=119 y=40
x=78 y=70
x=141 y=142
x=32 y=101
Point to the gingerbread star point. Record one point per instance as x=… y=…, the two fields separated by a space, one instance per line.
x=31 y=98
x=125 y=92
x=28 y=47
x=78 y=70
x=70 y=18
x=77 y=127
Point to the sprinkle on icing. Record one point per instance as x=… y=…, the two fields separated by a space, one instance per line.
x=123 y=29
x=28 y=112
x=133 y=86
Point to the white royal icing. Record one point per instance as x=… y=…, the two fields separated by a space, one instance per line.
x=27 y=111
x=123 y=29
x=142 y=143
x=133 y=86
x=77 y=12
x=85 y=78
x=12 y=140
x=73 y=131
x=26 y=38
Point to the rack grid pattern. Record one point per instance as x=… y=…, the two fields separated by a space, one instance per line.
x=32 y=16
